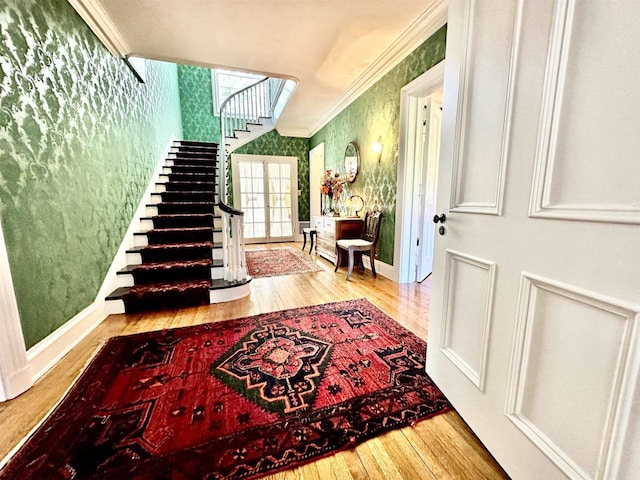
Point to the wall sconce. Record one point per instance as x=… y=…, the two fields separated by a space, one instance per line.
x=377 y=148
x=357 y=203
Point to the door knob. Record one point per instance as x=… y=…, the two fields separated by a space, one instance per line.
x=439 y=218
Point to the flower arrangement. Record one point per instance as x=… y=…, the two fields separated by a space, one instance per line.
x=332 y=184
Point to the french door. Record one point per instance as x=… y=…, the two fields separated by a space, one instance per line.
x=534 y=325
x=265 y=189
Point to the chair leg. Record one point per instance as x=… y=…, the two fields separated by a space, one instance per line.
x=372 y=258
x=338 y=258
x=350 y=269
x=304 y=244
x=312 y=236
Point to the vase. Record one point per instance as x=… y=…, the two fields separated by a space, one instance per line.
x=328 y=207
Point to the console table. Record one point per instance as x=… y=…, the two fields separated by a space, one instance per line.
x=330 y=229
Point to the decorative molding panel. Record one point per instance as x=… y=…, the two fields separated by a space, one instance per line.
x=584 y=129
x=468 y=299
x=573 y=373
x=480 y=155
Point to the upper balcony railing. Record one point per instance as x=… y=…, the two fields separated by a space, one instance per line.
x=253 y=105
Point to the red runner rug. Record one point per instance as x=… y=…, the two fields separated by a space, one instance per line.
x=234 y=399
x=279 y=261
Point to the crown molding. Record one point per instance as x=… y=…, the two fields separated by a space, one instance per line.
x=424 y=26
x=293 y=132
x=101 y=25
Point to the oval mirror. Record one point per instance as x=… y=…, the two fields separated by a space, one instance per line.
x=351 y=162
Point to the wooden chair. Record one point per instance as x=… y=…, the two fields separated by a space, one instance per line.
x=365 y=245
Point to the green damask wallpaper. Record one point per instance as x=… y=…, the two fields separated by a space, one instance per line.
x=196 y=103
x=79 y=140
x=273 y=143
x=375 y=115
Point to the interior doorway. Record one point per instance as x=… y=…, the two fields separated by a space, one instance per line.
x=419 y=149
x=428 y=149
x=316 y=168
x=265 y=189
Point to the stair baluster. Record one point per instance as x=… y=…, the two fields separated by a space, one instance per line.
x=246 y=106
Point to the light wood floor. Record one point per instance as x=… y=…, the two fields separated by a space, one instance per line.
x=442 y=447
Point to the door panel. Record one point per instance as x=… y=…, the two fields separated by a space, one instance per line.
x=485 y=93
x=578 y=174
x=551 y=318
x=467 y=312
x=559 y=373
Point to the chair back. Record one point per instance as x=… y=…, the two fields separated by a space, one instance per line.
x=371 y=228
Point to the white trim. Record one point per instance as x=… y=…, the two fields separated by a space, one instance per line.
x=45 y=354
x=266 y=159
x=101 y=25
x=293 y=132
x=382 y=268
x=221 y=295
x=425 y=84
x=15 y=375
x=419 y=31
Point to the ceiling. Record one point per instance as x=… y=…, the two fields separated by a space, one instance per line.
x=334 y=49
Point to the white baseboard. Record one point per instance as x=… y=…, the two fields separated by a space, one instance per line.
x=382 y=268
x=48 y=351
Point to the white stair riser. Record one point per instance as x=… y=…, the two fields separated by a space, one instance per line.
x=114 y=307
x=141 y=240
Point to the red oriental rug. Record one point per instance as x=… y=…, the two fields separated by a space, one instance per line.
x=234 y=399
x=279 y=261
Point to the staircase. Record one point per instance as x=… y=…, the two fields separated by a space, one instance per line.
x=176 y=259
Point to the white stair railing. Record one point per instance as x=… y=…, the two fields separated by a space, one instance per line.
x=237 y=113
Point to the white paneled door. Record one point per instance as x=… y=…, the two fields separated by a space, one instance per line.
x=265 y=189
x=534 y=330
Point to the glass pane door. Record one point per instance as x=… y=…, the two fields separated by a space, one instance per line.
x=263 y=188
x=280 y=215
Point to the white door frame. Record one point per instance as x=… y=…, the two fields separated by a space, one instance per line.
x=15 y=373
x=293 y=161
x=316 y=167
x=422 y=86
